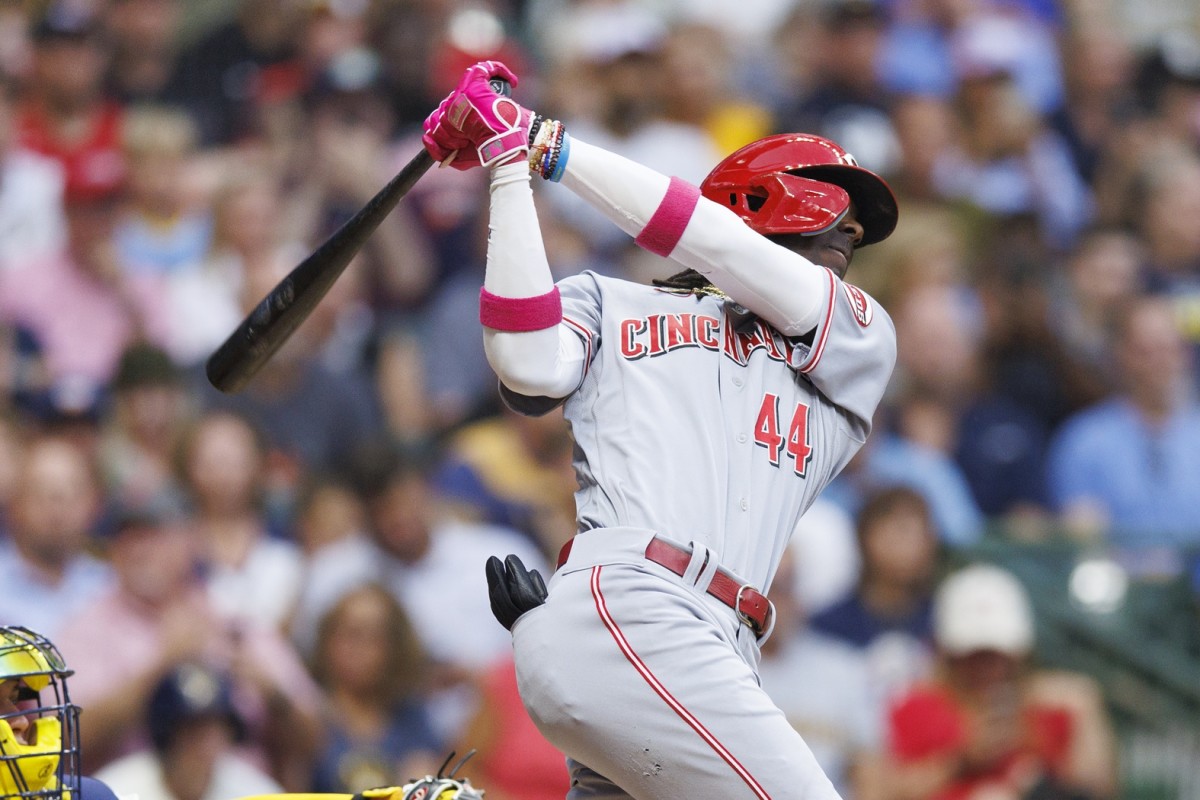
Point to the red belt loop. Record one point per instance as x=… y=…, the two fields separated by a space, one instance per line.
x=752 y=606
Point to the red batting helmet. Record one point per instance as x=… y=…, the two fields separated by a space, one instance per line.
x=800 y=183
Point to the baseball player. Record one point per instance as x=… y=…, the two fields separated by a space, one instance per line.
x=708 y=412
x=39 y=725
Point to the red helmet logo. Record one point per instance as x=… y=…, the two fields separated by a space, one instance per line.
x=800 y=183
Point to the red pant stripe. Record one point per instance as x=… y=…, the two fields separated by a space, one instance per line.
x=668 y=698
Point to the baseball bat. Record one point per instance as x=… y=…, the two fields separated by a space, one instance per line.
x=280 y=312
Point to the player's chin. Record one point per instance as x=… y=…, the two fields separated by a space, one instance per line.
x=835 y=260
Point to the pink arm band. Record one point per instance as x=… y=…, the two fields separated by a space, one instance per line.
x=519 y=314
x=666 y=227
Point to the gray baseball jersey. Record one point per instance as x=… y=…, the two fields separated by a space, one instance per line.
x=748 y=425
x=694 y=428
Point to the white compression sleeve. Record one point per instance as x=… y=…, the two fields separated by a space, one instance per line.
x=780 y=286
x=547 y=362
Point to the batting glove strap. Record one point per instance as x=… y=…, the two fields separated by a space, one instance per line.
x=507 y=146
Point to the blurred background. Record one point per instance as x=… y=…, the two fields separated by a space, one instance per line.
x=283 y=588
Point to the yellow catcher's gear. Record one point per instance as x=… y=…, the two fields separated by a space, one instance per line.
x=428 y=788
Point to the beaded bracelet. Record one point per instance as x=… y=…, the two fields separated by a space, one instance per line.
x=548 y=149
x=539 y=145
x=535 y=124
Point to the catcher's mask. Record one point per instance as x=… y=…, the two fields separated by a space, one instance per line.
x=800 y=183
x=39 y=726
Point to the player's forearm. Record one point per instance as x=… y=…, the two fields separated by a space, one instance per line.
x=775 y=283
x=522 y=336
x=516 y=257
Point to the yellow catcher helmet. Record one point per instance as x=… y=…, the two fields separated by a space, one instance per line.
x=43 y=760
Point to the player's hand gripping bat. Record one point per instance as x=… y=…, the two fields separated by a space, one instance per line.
x=290 y=302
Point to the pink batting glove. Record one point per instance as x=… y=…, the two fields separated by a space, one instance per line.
x=474 y=126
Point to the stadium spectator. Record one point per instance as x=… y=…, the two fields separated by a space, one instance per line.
x=143 y=39
x=415 y=547
x=618 y=51
x=163 y=228
x=926 y=128
x=948 y=401
x=1163 y=198
x=847 y=100
x=1099 y=63
x=12 y=445
x=378 y=728
x=159 y=611
x=194 y=730
x=890 y=459
x=253 y=573
x=224 y=77
x=826 y=556
x=1125 y=470
x=31 y=190
x=887 y=616
x=140 y=432
x=327 y=512
x=347 y=143
x=1099 y=274
x=64 y=113
x=1011 y=162
x=702 y=68
x=204 y=304
x=314 y=417
x=990 y=723
x=45 y=567
x=513 y=760
x=1168 y=84
x=76 y=301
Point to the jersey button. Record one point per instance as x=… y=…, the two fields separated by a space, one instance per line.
x=741 y=438
x=745 y=504
x=737 y=382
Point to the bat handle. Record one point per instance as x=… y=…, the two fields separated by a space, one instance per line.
x=501 y=86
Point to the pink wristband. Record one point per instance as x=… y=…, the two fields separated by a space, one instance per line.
x=666 y=227
x=519 y=314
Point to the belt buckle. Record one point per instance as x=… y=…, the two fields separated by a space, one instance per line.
x=742 y=615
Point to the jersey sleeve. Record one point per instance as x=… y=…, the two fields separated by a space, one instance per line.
x=852 y=351
x=582 y=309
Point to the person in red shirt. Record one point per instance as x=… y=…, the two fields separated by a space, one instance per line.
x=65 y=114
x=990 y=723
x=513 y=760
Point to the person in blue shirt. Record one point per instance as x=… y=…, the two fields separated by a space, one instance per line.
x=1127 y=469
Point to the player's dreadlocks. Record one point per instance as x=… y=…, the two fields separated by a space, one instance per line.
x=687 y=281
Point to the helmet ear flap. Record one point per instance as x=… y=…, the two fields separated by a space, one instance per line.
x=795 y=204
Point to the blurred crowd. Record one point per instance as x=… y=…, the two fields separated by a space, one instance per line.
x=283 y=588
